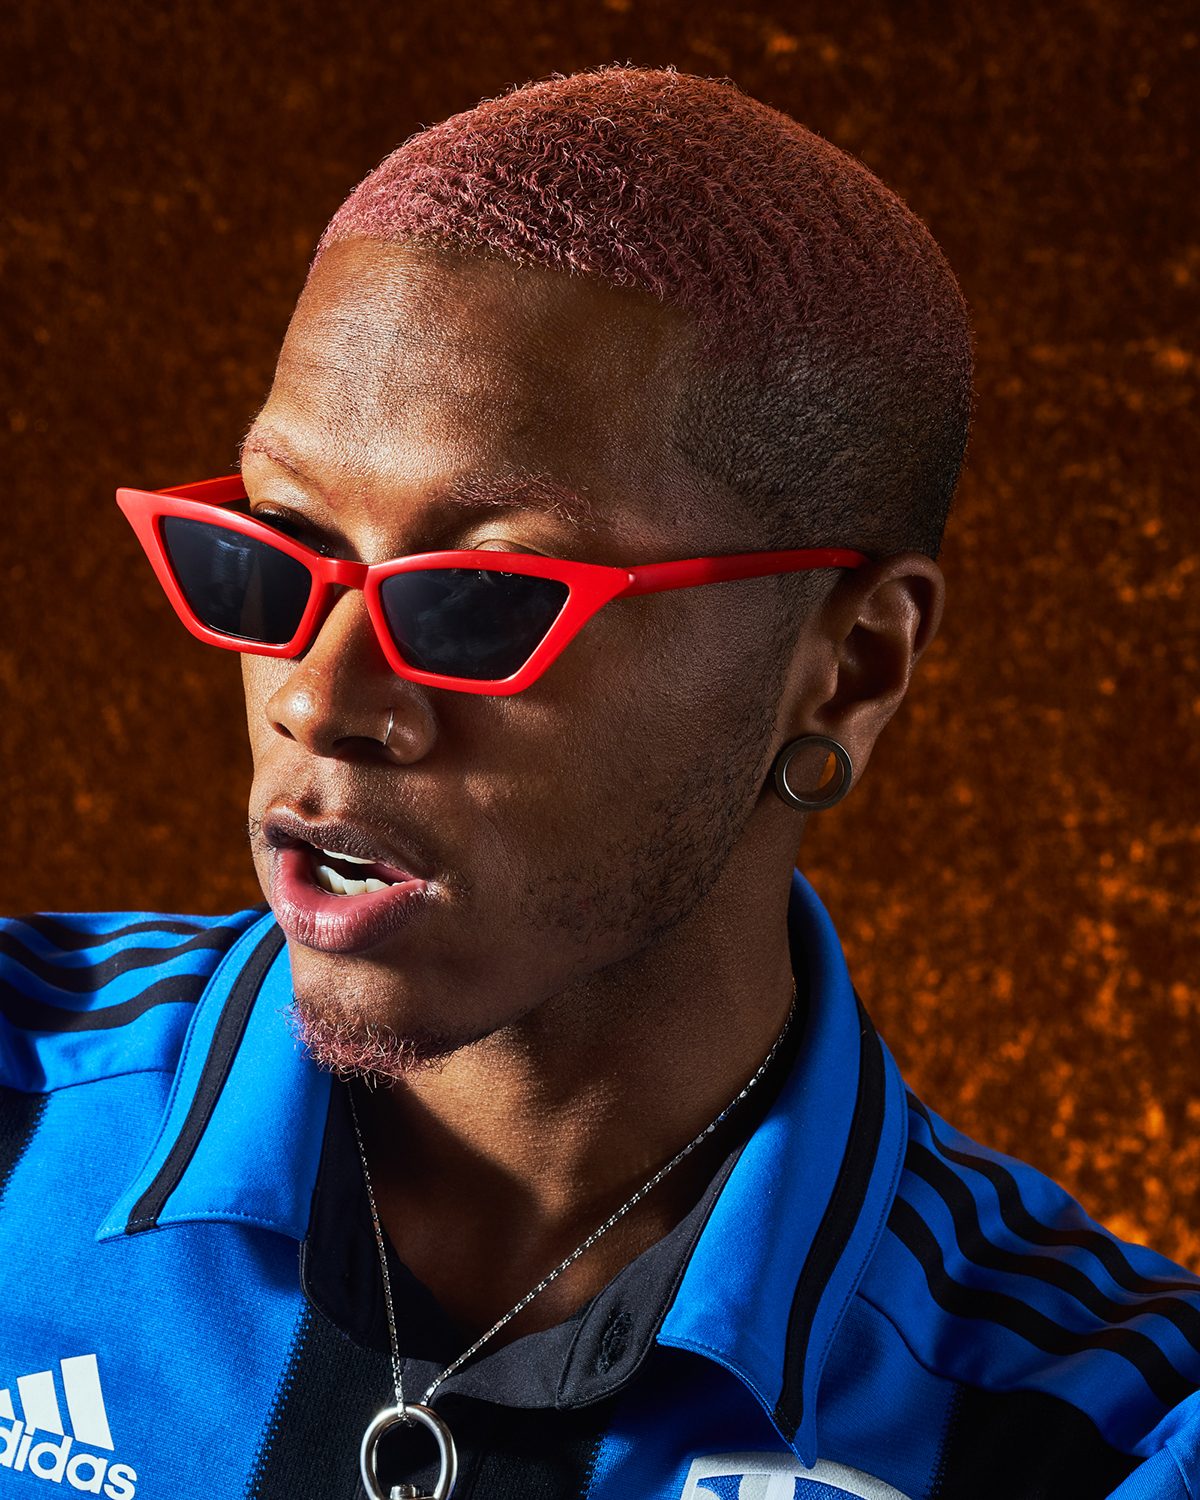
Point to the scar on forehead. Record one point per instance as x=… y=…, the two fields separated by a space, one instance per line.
x=514 y=489
x=270 y=447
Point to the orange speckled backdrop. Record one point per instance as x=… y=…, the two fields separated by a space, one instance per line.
x=1016 y=879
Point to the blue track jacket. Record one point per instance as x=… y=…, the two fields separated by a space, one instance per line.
x=864 y=1303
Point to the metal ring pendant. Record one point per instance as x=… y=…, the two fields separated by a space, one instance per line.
x=390 y=1417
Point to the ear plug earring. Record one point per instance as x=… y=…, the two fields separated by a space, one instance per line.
x=815 y=801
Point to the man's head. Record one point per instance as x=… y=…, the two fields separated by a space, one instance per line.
x=831 y=382
x=453 y=380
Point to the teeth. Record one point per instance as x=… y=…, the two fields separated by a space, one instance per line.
x=350 y=859
x=338 y=885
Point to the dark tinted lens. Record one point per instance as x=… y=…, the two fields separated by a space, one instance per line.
x=465 y=622
x=237 y=584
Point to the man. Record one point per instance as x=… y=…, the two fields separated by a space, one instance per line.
x=601 y=1181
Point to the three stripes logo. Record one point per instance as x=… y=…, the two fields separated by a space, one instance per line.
x=56 y=1456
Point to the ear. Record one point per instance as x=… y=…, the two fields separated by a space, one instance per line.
x=856 y=653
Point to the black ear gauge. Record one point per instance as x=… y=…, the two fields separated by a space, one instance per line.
x=812 y=802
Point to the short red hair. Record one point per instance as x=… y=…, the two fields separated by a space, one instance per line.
x=799 y=266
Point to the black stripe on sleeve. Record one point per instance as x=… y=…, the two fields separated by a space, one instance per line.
x=837 y=1224
x=1027 y=1322
x=228 y=1036
x=1018 y=1218
x=20 y=1116
x=975 y=1245
x=72 y=939
x=92 y=977
x=37 y=1015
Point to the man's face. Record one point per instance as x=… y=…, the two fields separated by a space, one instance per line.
x=425 y=402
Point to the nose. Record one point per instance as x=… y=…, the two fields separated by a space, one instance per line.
x=342 y=696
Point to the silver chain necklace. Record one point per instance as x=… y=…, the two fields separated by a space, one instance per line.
x=408 y=1412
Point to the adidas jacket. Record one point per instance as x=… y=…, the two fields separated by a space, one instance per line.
x=863 y=1304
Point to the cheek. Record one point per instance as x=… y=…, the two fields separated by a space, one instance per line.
x=614 y=733
x=262 y=677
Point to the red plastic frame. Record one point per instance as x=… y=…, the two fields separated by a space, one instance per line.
x=591 y=586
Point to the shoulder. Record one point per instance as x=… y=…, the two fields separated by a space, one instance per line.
x=993 y=1277
x=91 y=995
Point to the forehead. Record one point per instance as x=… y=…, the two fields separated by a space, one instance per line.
x=420 y=366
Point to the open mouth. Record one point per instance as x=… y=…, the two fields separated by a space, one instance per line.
x=329 y=899
x=347 y=875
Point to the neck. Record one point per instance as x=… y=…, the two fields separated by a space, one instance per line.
x=490 y=1169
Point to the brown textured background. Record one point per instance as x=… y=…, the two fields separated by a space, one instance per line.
x=1016 y=879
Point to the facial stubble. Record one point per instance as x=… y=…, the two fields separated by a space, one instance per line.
x=633 y=890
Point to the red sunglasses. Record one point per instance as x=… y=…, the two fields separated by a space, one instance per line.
x=476 y=622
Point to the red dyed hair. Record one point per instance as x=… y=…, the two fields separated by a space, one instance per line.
x=836 y=388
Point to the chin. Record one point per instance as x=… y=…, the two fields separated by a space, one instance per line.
x=343 y=1043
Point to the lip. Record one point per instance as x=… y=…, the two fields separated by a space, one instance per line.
x=282 y=827
x=315 y=918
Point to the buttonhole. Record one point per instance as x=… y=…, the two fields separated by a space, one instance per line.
x=614 y=1343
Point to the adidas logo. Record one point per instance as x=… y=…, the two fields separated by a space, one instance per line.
x=53 y=1458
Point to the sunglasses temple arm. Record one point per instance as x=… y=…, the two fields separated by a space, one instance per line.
x=657 y=578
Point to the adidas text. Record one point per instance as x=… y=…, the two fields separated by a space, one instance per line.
x=37 y=1443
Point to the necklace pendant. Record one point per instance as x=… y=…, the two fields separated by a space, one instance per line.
x=396 y=1416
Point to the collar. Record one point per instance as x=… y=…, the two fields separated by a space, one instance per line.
x=770 y=1258
x=583 y=1360
x=241 y=1137
x=791 y=1235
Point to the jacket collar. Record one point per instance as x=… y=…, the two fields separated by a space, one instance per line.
x=792 y=1233
x=241 y=1138
x=785 y=1244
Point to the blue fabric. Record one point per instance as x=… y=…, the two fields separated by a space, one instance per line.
x=648 y=1450
x=125 y=967
x=959 y=1261
x=1179 y=1431
x=1081 y=1299
x=880 y=1408
x=257 y=1160
x=191 y=1331
x=1158 y=1479
x=191 y=1328
x=763 y=1225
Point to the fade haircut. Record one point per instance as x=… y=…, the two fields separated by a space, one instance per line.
x=831 y=386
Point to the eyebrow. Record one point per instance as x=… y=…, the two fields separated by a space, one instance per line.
x=515 y=489
x=522 y=491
